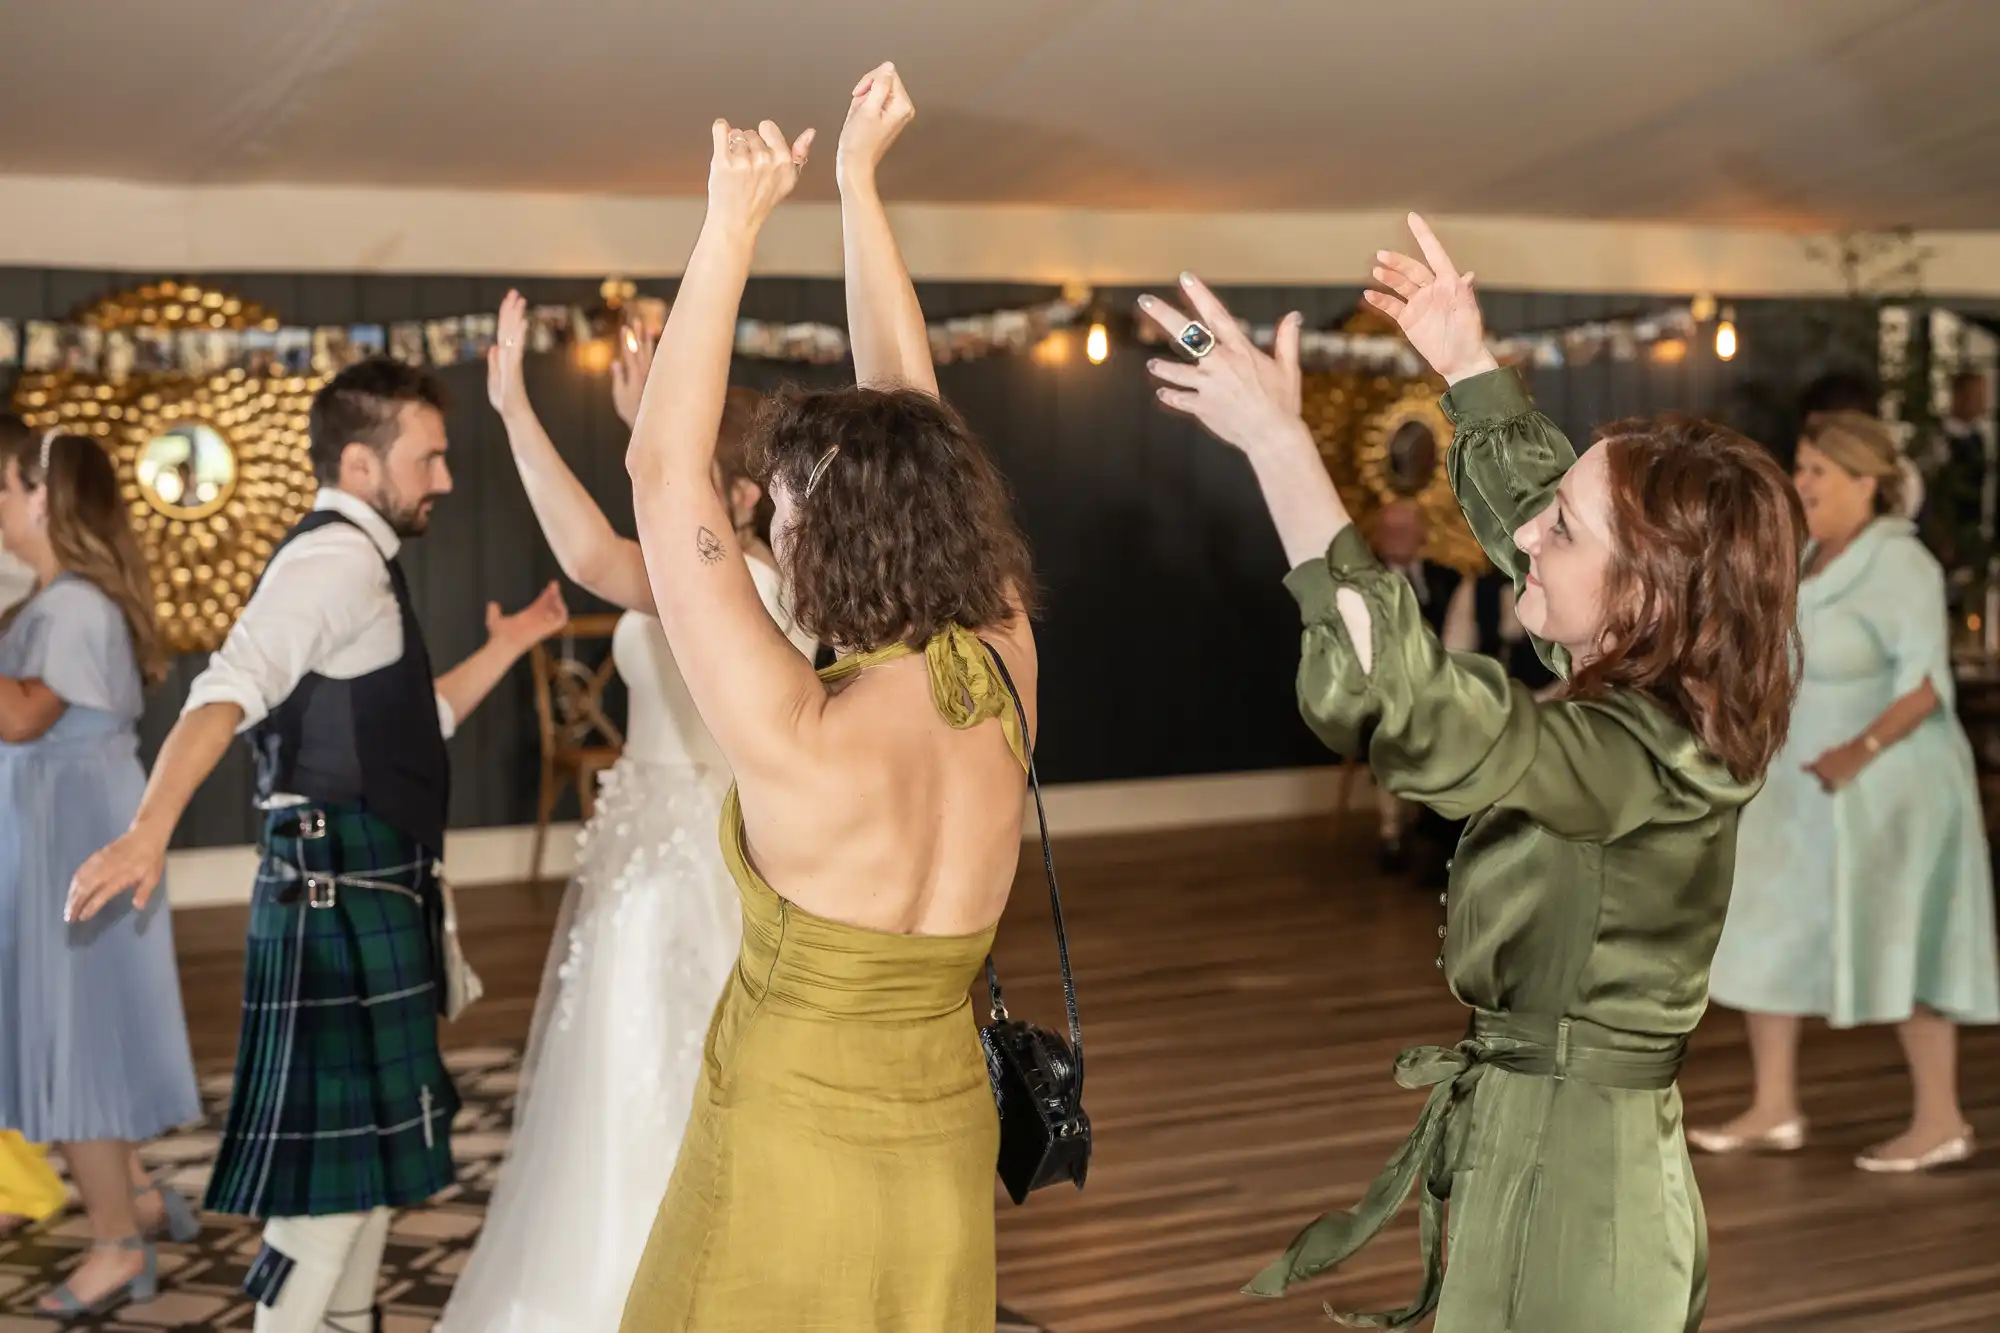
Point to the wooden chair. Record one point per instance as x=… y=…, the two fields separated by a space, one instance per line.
x=578 y=740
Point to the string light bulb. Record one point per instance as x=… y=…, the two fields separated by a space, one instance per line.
x=1702 y=308
x=1725 y=335
x=1097 y=343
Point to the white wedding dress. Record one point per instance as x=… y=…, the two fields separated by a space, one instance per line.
x=648 y=933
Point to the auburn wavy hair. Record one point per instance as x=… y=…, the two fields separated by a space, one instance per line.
x=908 y=526
x=1701 y=601
x=89 y=529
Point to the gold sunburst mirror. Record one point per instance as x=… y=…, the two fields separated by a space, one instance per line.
x=213 y=460
x=187 y=471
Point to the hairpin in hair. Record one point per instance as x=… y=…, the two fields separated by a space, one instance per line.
x=48 y=440
x=819 y=468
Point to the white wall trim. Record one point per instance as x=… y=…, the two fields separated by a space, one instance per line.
x=219 y=876
x=90 y=223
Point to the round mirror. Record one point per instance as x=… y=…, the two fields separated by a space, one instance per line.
x=1413 y=457
x=186 y=471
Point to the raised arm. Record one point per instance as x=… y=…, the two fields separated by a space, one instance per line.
x=885 y=325
x=1450 y=731
x=1505 y=458
x=1251 y=400
x=590 y=551
x=755 y=692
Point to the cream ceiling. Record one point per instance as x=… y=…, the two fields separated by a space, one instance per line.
x=1799 y=113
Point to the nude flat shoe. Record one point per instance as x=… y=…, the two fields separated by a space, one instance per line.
x=1788 y=1137
x=1951 y=1151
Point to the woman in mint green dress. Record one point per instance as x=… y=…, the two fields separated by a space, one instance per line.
x=1658 y=574
x=1864 y=888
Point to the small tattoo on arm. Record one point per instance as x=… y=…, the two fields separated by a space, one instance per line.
x=708 y=546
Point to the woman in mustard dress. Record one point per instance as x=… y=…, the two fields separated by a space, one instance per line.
x=837 y=1174
x=1657 y=574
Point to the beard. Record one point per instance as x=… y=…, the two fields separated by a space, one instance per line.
x=406 y=518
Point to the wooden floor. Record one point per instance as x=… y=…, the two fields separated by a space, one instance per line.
x=1243 y=993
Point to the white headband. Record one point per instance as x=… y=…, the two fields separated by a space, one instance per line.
x=48 y=439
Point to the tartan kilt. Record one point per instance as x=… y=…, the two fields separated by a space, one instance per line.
x=341 y=1102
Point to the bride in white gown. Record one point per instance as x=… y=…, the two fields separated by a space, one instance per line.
x=648 y=932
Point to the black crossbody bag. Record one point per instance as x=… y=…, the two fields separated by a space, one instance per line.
x=1037 y=1077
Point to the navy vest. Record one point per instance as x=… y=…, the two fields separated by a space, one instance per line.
x=372 y=741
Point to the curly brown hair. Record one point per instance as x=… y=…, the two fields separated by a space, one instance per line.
x=909 y=526
x=1702 y=596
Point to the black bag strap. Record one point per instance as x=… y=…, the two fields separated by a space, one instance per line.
x=999 y=1006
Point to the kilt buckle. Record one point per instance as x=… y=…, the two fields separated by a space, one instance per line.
x=322 y=892
x=312 y=825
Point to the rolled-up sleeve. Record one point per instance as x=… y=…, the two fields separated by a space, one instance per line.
x=313 y=598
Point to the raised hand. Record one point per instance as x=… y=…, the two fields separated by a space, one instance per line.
x=629 y=371
x=133 y=864
x=504 y=387
x=880 y=110
x=538 y=620
x=1435 y=307
x=751 y=173
x=1243 y=396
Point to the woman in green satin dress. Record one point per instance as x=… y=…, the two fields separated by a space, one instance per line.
x=1658 y=576
x=837 y=1174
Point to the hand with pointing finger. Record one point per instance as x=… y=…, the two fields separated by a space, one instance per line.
x=1242 y=395
x=1434 y=305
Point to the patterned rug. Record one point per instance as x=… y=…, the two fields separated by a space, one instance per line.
x=200 y=1284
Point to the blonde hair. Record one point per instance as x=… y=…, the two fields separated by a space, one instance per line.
x=1861 y=446
x=88 y=530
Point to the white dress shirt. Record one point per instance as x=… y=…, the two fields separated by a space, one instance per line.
x=324 y=606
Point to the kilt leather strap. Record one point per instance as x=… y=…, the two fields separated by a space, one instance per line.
x=323 y=890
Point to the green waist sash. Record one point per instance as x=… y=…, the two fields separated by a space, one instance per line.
x=1539 y=1045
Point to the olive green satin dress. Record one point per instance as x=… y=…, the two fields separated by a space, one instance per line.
x=837 y=1173
x=1585 y=902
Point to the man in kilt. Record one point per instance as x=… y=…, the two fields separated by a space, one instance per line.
x=342 y=1108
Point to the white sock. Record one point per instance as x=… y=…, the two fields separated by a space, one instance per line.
x=331 y=1260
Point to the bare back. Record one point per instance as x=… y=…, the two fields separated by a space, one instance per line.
x=897 y=820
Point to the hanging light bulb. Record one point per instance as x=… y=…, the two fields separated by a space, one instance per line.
x=1725 y=335
x=1097 y=344
x=1702 y=308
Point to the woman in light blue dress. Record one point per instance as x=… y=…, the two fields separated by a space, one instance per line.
x=1863 y=889
x=93 y=1045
